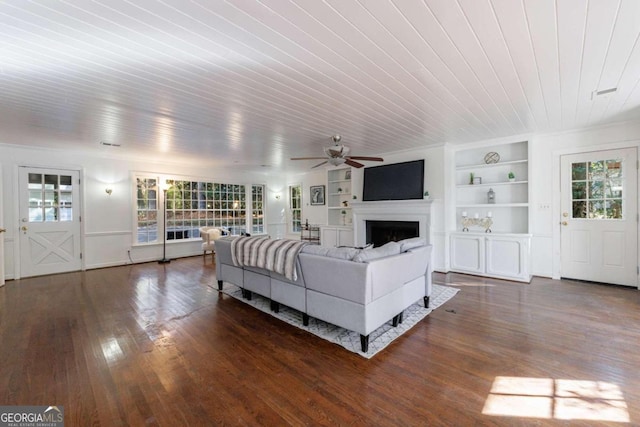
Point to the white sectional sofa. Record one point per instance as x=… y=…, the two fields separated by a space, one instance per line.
x=357 y=289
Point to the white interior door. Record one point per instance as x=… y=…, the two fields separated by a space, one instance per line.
x=49 y=221
x=599 y=228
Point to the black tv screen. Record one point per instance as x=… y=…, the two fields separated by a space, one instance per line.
x=397 y=181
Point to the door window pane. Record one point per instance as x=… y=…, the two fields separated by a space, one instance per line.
x=578 y=171
x=50 y=197
x=596 y=189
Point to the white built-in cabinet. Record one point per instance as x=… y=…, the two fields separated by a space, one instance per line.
x=339 y=231
x=504 y=256
x=336 y=236
x=505 y=251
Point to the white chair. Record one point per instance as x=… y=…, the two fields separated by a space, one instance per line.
x=209 y=236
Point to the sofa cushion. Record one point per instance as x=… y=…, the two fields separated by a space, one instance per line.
x=388 y=249
x=414 y=242
x=340 y=253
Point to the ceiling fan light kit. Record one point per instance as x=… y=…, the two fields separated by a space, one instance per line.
x=337 y=154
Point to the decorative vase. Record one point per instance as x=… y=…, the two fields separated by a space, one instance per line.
x=491 y=196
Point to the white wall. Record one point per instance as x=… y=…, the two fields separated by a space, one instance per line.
x=108 y=229
x=544 y=182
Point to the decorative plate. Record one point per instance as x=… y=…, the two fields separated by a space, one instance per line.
x=491 y=157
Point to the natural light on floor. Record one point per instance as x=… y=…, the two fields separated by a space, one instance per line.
x=556 y=398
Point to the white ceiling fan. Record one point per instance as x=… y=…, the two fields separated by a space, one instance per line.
x=338 y=154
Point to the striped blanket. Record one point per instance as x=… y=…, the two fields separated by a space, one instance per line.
x=278 y=255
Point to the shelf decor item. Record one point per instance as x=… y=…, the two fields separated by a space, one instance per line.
x=426 y=195
x=347 y=174
x=512 y=176
x=491 y=157
x=485 y=223
x=477 y=180
x=491 y=196
x=471 y=178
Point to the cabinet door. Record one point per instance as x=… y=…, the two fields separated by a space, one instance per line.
x=329 y=237
x=508 y=257
x=345 y=237
x=467 y=253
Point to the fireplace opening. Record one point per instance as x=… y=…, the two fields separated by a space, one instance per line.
x=381 y=232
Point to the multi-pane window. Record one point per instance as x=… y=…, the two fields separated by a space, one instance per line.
x=295 y=206
x=230 y=207
x=596 y=189
x=147 y=209
x=257 y=209
x=194 y=204
x=50 y=198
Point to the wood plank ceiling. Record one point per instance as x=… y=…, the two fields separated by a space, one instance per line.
x=255 y=82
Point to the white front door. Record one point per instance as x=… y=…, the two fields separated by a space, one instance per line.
x=599 y=229
x=49 y=221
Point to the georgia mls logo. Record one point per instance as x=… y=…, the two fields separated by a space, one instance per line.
x=31 y=416
x=53 y=408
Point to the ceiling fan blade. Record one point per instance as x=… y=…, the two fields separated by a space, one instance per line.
x=372 y=159
x=353 y=164
x=307 y=158
x=319 y=164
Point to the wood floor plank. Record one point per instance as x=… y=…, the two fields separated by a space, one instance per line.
x=154 y=344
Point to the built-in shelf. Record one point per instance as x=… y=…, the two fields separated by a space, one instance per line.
x=494 y=205
x=511 y=197
x=339 y=179
x=491 y=184
x=491 y=165
x=505 y=252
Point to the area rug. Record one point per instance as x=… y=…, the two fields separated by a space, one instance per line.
x=378 y=339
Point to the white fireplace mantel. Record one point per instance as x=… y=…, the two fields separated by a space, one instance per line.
x=391 y=210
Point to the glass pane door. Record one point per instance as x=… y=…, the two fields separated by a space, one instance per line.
x=597 y=189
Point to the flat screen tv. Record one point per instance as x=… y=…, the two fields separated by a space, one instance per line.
x=397 y=181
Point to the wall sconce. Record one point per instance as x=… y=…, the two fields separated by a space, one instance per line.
x=108 y=190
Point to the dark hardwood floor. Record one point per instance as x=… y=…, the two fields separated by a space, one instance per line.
x=154 y=344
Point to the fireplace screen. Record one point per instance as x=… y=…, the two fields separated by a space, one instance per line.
x=381 y=232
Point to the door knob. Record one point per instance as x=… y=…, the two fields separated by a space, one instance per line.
x=2 y=230
x=23 y=228
x=564 y=223
x=565 y=214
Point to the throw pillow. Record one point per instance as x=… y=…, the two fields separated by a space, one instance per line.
x=391 y=248
x=414 y=242
x=340 y=253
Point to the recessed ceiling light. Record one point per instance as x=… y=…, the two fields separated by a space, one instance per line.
x=109 y=144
